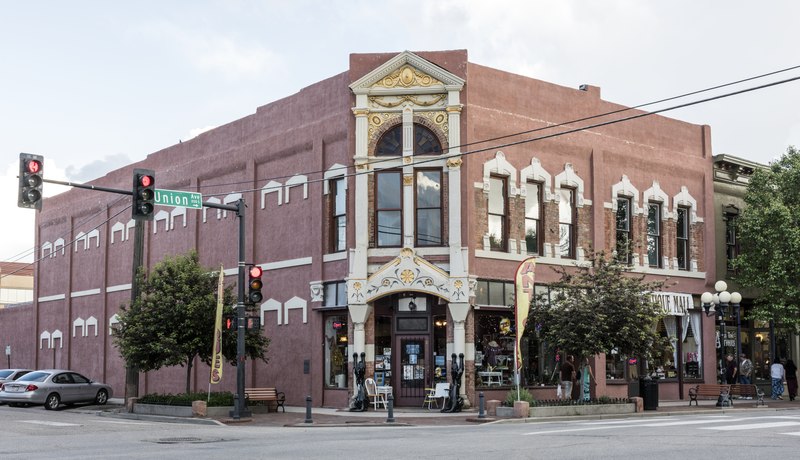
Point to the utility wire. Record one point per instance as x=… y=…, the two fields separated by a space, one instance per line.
x=553 y=126
x=524 y=141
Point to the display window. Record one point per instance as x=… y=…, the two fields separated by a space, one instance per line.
x=336 y=342
x=494 y=348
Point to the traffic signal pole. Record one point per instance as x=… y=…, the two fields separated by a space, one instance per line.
x=132 y=374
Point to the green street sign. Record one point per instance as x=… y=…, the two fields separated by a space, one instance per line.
x=180 y=198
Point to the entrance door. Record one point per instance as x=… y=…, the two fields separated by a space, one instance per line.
x=412 y=370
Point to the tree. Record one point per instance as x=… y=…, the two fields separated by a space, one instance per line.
x=597 y=307
x=769 y=238
x=172 y=321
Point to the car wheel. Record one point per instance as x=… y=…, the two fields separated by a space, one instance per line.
x=14 y=404
x=52 y=401
x=102 y=397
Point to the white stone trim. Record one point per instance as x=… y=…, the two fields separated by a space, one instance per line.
x=334 y=256
x=335 y=171
x=286 y=263
x=501 y=167
x=295 y=303
x=655 y=194
x=272 y=187
x=683 y=198
x=113 y=321
x=536 y=173
x=624 y=188
x=571 y=179
x=58 y=242
x=85 y=293
x=119 y=287
x=51 y=298
x=271 y=305
x=296 y=181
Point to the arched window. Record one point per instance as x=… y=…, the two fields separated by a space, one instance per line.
x=425 y=142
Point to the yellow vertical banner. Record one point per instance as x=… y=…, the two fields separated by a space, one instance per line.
x=523 y=288
x=216 y=360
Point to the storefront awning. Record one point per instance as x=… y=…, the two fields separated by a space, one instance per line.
x=673 y=303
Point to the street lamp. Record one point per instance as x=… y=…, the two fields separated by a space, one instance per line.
x=721 y=300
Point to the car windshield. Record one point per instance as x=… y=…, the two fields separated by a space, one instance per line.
x=34 y=377
x=5 y=373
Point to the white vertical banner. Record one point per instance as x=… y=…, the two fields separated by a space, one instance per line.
x=216 y=359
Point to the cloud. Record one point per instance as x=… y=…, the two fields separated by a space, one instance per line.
x=194 y=132
x=233 y=58
x=97 y=168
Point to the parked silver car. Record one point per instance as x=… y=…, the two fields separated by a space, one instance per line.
x=52 y=387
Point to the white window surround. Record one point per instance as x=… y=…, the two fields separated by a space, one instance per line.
x=624 y=188
x=501 y=167
x=296 y=181
x=683 y=198
x=570 y=179
x=335 y=171
x=655 y=194
x=535 y=172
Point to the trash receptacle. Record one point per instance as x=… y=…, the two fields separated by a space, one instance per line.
x=648 y=390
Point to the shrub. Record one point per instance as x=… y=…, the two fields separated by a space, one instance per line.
x=215 y=399
x=524 y=395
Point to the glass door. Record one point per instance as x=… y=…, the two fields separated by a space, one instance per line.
x=412 y=369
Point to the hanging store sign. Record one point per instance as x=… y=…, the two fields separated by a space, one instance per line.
x=673 y=303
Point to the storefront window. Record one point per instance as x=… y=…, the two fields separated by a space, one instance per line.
x=615 y=365
x=494 y=348
x=692 y=332
x=336 y=351
x=383 y=350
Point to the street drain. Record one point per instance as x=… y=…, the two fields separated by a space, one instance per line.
x=187 y=440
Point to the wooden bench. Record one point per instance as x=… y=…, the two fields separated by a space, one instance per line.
x=748 y=391
x=711 y=390
x=270 y=395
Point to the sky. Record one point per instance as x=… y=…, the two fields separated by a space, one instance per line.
x=95 y=85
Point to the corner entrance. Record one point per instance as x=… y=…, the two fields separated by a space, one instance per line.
x=410 y=345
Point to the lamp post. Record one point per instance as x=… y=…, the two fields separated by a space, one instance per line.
x=721 y=300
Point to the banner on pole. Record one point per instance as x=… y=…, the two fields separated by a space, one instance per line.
x=523 y=287
x=216 y=360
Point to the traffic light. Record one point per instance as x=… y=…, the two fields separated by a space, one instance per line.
x=30 y=181
x=229 y=322
x=255 y=284
x=144 y=194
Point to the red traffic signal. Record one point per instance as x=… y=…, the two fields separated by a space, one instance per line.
x=144 y=194
x=255 y=284
x=30 y=181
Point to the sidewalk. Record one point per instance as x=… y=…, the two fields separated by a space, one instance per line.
x=405 y=416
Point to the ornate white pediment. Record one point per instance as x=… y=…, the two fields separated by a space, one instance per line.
x=405 y=72
x=408 y=273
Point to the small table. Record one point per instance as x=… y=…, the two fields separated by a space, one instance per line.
x=491 y=378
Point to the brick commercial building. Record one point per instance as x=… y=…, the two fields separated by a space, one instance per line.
x=390 y=219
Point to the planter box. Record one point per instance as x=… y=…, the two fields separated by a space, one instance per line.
x=599 y=409
x=503 y=411
x=179 y=411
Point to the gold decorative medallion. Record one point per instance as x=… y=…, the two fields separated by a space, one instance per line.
x=407 y=276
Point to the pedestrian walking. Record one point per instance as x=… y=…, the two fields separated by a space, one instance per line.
x=730 y=370
x=568 y=376
x=791 y=378
x=745 y=370
x=778 y=374
x=587 y=377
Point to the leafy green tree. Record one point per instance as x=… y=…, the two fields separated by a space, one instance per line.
x=597 y=307
x=769 y=238
x=172 y=321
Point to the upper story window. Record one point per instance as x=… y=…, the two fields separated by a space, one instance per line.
x=566 y=222
x=389 y=208
x=338 y=230
x=624 y=240
x=683 y=238
x=498 y=213
x=425 y=142
x=731 y=245
x=335 y=294
x=494 y=293
x=654 y=235
x=429 y=207
x=533 y=217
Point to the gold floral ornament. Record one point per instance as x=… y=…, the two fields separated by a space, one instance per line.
x=386 y=282
x=357 y=285
x=458 y=284
x=407 y=276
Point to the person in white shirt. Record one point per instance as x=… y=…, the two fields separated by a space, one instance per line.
x=778 y=374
